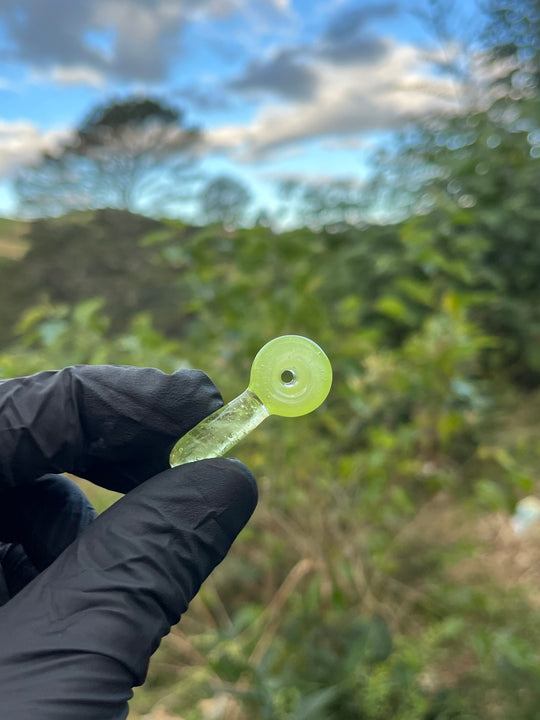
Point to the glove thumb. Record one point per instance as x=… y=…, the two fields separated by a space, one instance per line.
x=80 y=636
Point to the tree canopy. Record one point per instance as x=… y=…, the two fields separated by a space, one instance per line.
x=224 y=200
x=131 y=154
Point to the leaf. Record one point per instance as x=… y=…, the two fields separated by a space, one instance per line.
x=311 y=706
x=393 y=307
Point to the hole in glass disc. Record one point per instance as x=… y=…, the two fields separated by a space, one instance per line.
x=287 y=377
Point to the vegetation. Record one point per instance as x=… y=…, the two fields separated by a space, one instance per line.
x=224 y=200
x=367 y=585
x=131 y=154
x=380 y=576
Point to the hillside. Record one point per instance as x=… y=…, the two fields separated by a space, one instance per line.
x=81 y=256
x=12 y=243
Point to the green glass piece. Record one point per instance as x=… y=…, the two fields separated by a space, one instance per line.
x=219 y=432
x=290 y=376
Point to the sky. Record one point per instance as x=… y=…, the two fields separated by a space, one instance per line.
x=281 y=88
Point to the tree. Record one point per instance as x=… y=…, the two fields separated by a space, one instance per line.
x=330 y=202
x=481 y=173
x=513 y=34
x=224 y=200
x=133 y=155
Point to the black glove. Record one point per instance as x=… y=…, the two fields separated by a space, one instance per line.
x=79 y=634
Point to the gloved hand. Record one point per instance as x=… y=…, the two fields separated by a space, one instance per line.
x=92 y=598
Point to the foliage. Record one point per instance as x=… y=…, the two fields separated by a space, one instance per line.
x=77 y=335
x=224 y=200
x=342 y=599
x=513 y=33
x=85 y=255
x=485 y=215
x=325 y=203
x=132 y=154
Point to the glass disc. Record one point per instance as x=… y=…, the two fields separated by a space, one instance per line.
x=291 y=376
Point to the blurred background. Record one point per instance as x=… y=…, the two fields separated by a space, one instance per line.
x=182 y=181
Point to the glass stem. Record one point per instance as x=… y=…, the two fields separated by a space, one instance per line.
x=219 y=432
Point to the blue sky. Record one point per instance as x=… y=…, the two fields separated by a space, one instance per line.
x=281 y=88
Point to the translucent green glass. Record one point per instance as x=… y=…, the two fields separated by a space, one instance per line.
x=290 y=376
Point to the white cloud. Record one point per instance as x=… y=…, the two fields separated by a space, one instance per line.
x=283 y=6
x=22 y=142
x=77 y=76
x=213 y=8
x=349 y=99
x=346 y=143
x=143 y=37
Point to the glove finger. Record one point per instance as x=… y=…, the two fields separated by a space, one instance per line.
x=44 y=517
x=118 y=589
x=17 y=569
x=4 y=594
x=112 y=425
